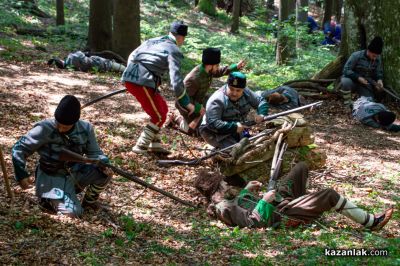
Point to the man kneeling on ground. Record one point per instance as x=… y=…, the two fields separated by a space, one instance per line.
x=58 y=182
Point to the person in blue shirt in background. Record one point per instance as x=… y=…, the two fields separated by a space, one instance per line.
x=333 y=32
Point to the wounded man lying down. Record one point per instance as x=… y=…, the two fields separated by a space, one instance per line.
x=295 y=207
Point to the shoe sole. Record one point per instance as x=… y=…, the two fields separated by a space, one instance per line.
x=388 y=216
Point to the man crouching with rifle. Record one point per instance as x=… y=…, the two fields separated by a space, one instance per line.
x=296 y=207
x=58 y=182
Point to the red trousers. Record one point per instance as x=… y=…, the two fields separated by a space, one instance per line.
x=151 y=101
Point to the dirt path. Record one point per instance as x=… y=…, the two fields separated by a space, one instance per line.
x=359 y=159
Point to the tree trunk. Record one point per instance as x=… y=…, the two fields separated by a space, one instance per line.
x=328 y=7
x=60 y=12
x=283 y=42
x=363 y=24
x=270 y=4
x=208 y=7
x=100 y=25
x=196 y=2
x=236 y=16
x=301 y=18
x=301 y=10
x=338 y=9
x=126 y=34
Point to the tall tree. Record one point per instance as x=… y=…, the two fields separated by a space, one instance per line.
x=270 y=4
x=337 y=8
x=361 y=24
x=60 y=12
x=301 y=10
x=235 y=16
x=208 y=7
x=283 y=49
x=100 y=25
x=328 y=8
x=301 y=18
x=126 y=34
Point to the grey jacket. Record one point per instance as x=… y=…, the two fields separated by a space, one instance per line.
x=45 y=139
x=148 y=63
x=288 y=92
x=222 y=114
x=359 y=65
x=364 y=110
x=79 y=61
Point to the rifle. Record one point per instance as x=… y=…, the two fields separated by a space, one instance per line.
x=374 y=83
x=273 y=116
x=103 y=97
x=70 y=156
x=198 y=160
x=274 y=175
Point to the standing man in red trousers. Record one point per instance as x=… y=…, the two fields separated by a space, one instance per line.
x=146 y=65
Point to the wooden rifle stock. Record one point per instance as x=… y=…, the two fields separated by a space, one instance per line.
x=70 y=156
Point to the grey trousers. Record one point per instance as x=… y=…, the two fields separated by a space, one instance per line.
x=82 y=176
x=348 y=85
x=218 y=140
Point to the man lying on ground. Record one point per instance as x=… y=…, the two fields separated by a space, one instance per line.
x=284 y=97
x=374 y=114
x=295 y=206
x=85 y=62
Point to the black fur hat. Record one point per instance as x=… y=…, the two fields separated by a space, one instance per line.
x=376 y=45
x=386 y=118
x=211 y=56
x=179 y=27
x=68 y=110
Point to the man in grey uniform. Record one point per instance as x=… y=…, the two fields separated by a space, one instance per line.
x=374 y=114
x=57 y=182
x=86 y=62
x=227 y=109
x=363 y=72
x=146 y=66
x=284 y=97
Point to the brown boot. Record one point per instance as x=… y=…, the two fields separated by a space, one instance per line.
x=382 y=219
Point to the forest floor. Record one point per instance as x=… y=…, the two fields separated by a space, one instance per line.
x=143 y=227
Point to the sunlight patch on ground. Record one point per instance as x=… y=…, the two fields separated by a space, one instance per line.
x=68 y=81
x=136 y=117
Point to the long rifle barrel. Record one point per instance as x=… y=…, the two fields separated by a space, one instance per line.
x=103 y=97
x=67 y=155
x=197 y=161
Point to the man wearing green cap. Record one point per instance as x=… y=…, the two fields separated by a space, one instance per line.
x=197 y=84
x=363 y=72
x=227 y=109
x=142 y=77
x=57 y=183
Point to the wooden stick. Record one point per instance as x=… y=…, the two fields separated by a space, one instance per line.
x=276 y=153
x=10 y=192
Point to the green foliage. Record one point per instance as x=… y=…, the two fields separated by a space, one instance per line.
x=132 y=228
x=207 y=6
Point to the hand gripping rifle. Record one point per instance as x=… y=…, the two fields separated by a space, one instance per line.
x=373 y=83
x=249 y=123
x=69 y=156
